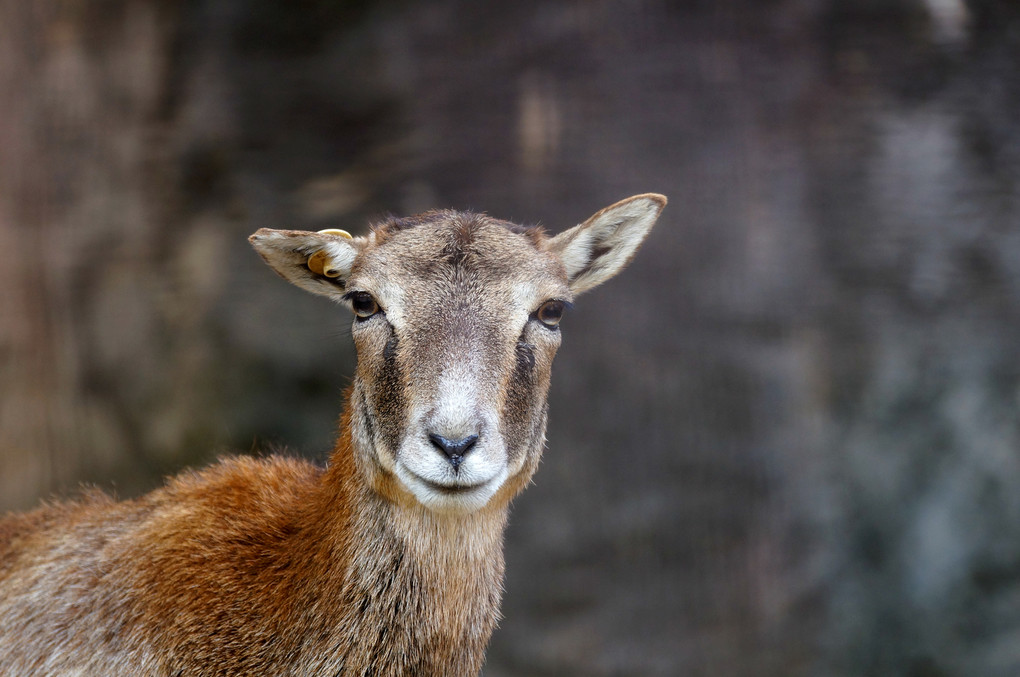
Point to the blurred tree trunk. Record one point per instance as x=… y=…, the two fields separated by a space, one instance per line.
x=83 y=86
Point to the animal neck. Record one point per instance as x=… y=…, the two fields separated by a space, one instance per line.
x=419 y=592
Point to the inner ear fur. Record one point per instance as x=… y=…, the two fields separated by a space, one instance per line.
x=602 y=246
x=288 y=251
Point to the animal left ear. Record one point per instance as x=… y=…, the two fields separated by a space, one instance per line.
x=317 y=262
x=604 y=244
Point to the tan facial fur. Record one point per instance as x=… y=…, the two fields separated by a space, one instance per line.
x=455 y=352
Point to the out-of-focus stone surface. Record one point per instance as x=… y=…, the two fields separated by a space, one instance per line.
x=784 y=442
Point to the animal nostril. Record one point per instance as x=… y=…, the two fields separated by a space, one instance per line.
x=454 y=450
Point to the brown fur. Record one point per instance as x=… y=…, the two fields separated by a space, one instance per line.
x=387 y=562
x=245 y=569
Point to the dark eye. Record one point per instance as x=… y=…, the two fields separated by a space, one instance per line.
x=363 y=304
x=550 y=313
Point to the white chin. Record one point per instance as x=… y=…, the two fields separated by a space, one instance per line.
x=449 y=497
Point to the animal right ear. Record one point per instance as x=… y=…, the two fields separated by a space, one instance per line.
x=601 y=246
x=317 y=262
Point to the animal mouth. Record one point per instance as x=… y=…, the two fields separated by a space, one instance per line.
x=452 y=489
x=449 y=492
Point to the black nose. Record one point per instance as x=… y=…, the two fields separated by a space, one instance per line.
x=455 y=450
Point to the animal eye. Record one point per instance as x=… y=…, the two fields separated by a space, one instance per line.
x=363 y=304
x=550 y=313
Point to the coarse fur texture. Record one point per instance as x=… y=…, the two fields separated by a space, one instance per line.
x=389 y=561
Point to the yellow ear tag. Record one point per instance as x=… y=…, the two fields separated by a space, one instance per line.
x=337 y=232
x=319 y=262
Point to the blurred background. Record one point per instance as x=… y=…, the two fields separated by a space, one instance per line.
x=784 y=442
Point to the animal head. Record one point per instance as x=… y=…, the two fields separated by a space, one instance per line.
x=456 y=322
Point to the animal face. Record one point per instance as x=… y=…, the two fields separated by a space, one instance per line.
x=456 y=326
x=456 y=323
